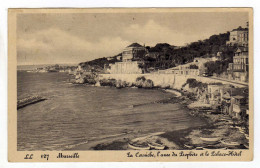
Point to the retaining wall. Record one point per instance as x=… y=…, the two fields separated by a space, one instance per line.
x=172 y=80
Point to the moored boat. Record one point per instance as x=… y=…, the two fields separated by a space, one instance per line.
x=214 y=148
x=138 y=146
x=210 y=139
x=155 y=145
x=199 y=148
x=188 y=146
x=230 y=143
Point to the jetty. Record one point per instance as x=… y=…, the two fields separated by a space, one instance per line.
x=29 y=100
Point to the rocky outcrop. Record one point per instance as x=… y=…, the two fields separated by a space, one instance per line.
x=85 y=77
x=142 y=82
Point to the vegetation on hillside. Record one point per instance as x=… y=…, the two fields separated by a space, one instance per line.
x=99 y=63
x=217 y=67
x=163 y=55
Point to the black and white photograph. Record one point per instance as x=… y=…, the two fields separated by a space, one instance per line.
x=133 y=80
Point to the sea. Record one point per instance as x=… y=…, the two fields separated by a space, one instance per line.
x=76 y=114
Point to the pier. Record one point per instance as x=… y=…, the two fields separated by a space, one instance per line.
x=29 y=101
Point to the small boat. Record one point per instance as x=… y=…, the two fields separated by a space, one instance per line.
x=199 y=148
x=209 y=139
x=214 y=148
x=136 y=146
x=155 y=145
x=188 y=146
x=246 y=145
x=230 y=143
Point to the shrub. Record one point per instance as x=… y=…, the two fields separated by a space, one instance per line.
x=90 y=81
x=141 y=82
x=194 y=83
x=193 y=66
x=148 y=84
x=120 y=84
x=107 y=82
x=141 y=78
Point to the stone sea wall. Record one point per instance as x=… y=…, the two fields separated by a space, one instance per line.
x=164 y=80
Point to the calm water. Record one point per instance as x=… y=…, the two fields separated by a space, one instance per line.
x=74 y=114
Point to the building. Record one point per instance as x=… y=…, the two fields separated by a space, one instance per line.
x=215 y=94
x=110 y=58
x=119 y=58
x=239 y=37
x=239 y=106
x=134 y=52
x=240 y=67
x=195 y=68
x=132 y=60
x=235 y=101
x=217 y=57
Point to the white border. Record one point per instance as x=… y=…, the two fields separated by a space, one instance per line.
x=5 y=4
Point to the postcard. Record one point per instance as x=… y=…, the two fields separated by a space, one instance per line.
x=130 y=84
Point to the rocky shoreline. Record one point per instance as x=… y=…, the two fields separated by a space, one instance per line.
x=220 y=132
x=221 y=128
x=227 y=133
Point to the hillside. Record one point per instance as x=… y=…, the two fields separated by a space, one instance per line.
x=98 y=64
x=163 y=55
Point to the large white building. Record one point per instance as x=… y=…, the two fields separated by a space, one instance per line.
x=134 y=52
x=132 y=57
x=240 y=67
x=238 y=36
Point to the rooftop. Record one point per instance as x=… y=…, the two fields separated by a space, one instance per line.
x=240 y=29
x=135 y=45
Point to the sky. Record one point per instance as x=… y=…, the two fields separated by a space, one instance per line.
x=63 y=38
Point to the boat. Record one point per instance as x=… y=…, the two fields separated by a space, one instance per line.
x=246 y=145
x=155 y=145
x=136 y=146
x=209 y=139
x=188 y=146
x=199 y=148
x=214 y=148
x=230 y=143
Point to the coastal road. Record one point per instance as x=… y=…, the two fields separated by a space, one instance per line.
x=231 y=82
